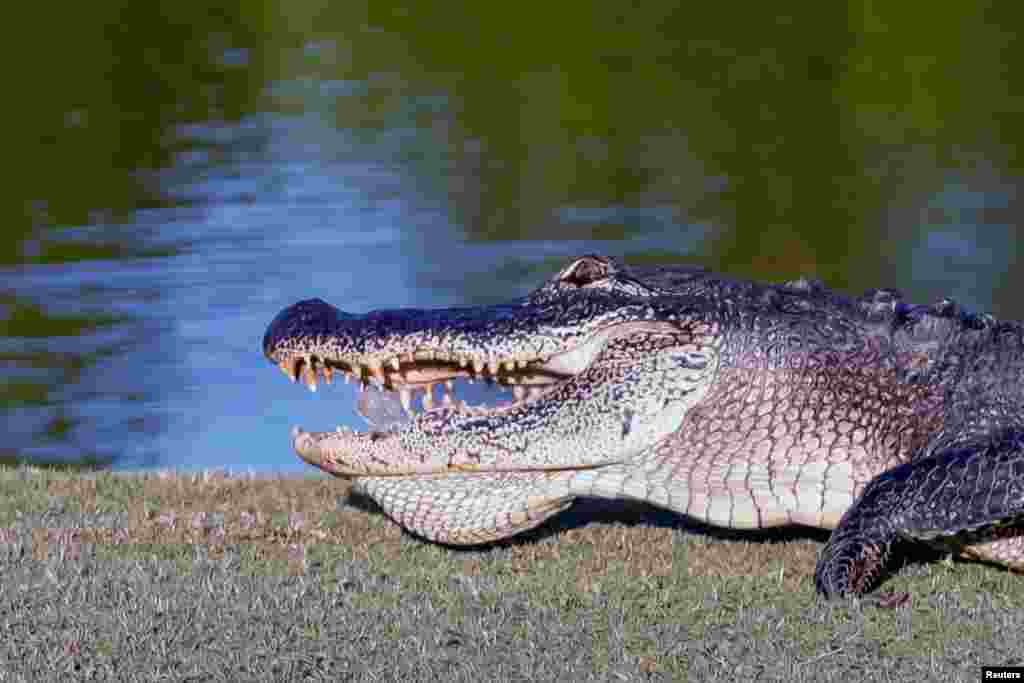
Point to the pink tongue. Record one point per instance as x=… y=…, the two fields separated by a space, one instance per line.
x=381 y=409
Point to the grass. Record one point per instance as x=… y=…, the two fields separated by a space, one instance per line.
x=197 y=577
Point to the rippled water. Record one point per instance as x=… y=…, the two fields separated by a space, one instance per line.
x=135 y=293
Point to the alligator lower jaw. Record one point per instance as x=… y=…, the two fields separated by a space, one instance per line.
x=328 y=450
x=309 y=446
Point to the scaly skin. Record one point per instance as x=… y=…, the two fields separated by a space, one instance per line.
x=740 y=404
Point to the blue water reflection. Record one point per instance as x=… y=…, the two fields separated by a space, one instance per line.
x=374 y=192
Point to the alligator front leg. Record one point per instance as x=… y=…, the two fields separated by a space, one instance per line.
x=971 y=497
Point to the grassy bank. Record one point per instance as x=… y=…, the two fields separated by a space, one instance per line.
x=192 y=577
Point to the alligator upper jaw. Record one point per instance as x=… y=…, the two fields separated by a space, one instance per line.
x=407 y=374
x=511 y=343
x=426 y=365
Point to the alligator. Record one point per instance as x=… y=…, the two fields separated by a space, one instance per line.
x=740 y=404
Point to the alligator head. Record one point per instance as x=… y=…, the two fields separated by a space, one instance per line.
x=604 y=365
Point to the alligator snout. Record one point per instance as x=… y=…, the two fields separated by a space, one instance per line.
x=307 y=319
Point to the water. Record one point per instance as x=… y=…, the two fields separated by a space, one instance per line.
x=379 y=161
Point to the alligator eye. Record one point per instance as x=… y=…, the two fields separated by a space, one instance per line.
x=586 y=271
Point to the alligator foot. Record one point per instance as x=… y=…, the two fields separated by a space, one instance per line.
x=849 y=567
x=965 y=497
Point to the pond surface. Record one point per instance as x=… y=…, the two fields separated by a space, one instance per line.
x=178 y=182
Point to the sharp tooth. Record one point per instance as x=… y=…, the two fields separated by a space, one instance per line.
x=521 y=363
x=519 y=391
x=428 y=397
x=463 y=362
x=377 y=371
x=478 y=367
x=286 y=368
x=309 y=376
x=395 y=363
x=405 y=395
x=357 y=370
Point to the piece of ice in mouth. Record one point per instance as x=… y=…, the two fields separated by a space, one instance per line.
x=383 y=410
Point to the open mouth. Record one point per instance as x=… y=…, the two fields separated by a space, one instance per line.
x=394 y=389
x=395 y=392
